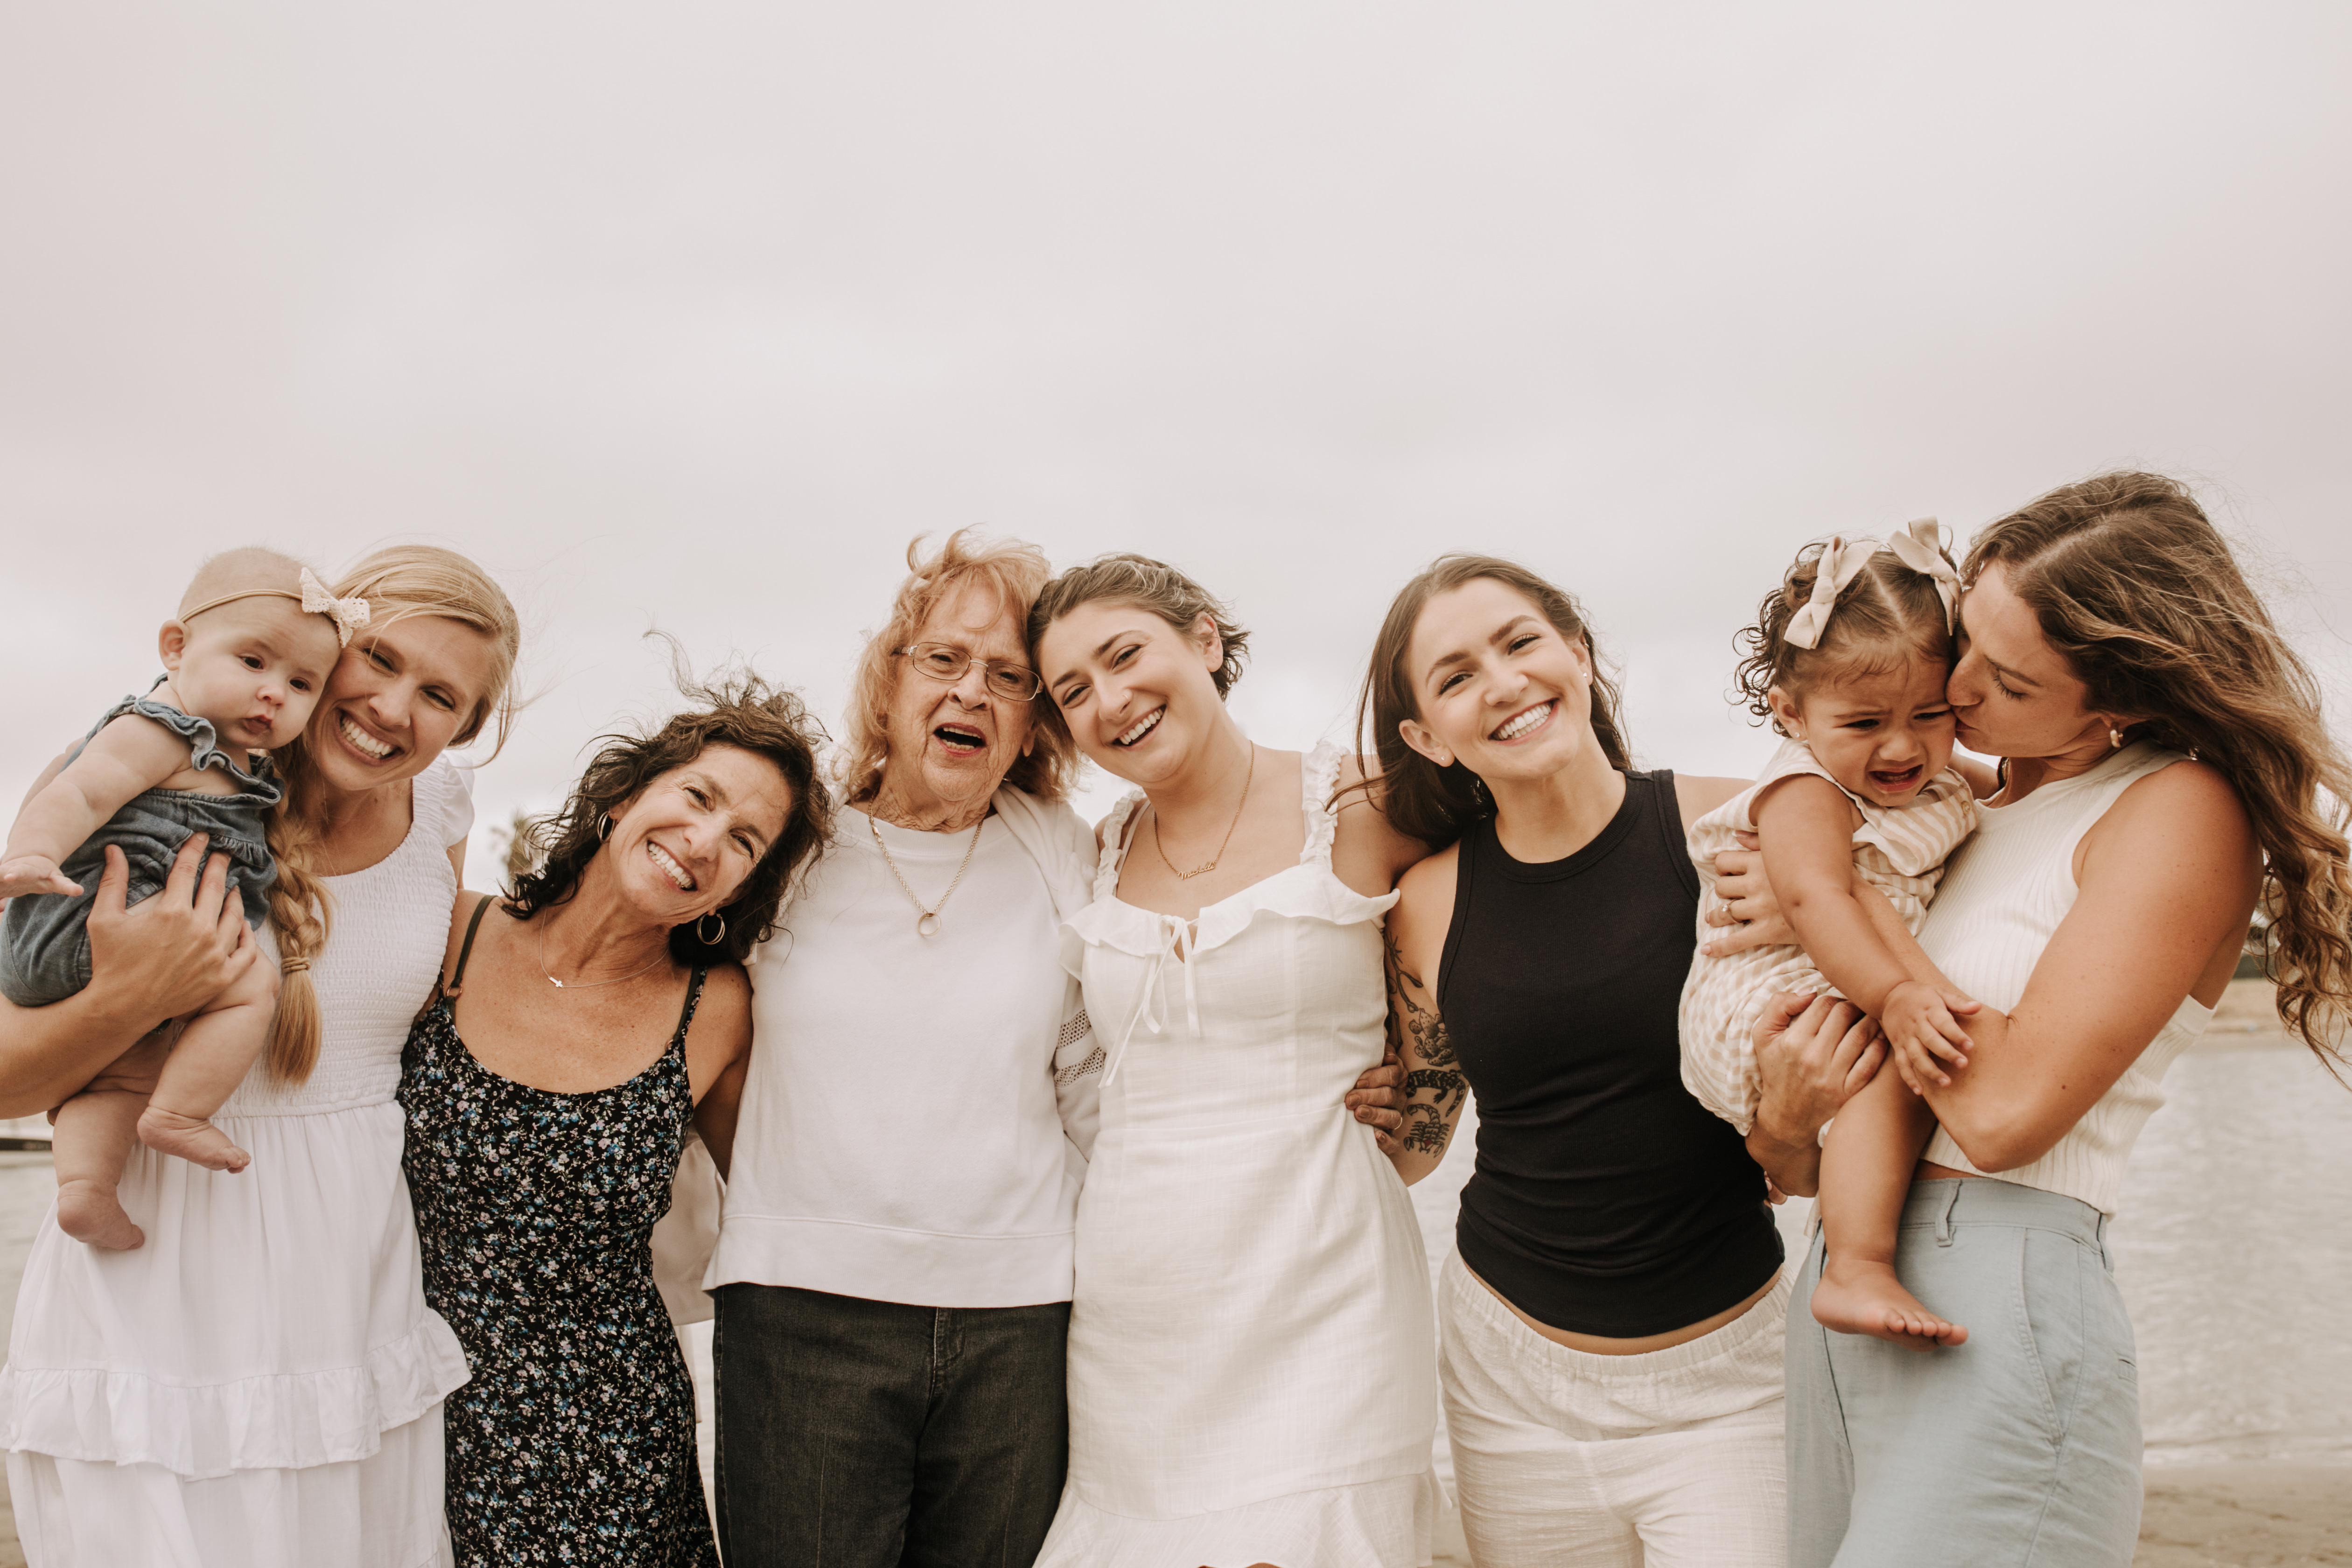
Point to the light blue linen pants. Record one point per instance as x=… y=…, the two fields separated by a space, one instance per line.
x=2022 y=1446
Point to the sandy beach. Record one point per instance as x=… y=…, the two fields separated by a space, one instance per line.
x=2208 y=1515
x=2250 y=1451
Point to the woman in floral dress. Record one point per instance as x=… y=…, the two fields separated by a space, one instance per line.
x=585 y=1019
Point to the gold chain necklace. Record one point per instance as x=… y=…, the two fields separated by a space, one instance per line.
x=928 y=921
x=1211 y=864
x=588 y=984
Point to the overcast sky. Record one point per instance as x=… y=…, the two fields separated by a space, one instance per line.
x=690 y=315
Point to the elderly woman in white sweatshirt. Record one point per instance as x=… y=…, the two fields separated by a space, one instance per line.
x=894 y=1267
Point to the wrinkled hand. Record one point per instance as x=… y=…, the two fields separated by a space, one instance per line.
x=1750 y=916
x=179 y=949
x=1918 y=1022
x=28 y=873
x=1812 y=1054
x=1378 y=1100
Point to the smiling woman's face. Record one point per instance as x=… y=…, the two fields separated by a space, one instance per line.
x=951 y=743
x=1135 y=692
x=683 y=845
x=396 y=698
x=1500 y=690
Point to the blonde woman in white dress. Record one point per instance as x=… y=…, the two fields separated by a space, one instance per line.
x=1251 y=1356
x=260 y=1385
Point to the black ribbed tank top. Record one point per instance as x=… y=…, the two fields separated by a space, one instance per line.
x=1606 y=1200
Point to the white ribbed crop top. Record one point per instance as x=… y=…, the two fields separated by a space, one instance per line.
x=2004 y=893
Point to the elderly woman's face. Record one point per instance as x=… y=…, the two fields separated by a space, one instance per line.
x=955 y=740
x=683 y=846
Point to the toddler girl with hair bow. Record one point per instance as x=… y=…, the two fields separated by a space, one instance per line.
x=245 y=660
x=1848 y=659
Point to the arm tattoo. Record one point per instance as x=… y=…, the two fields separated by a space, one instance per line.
x=1434 y=1091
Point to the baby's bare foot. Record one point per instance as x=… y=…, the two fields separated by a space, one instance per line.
x=92 y=1213
x=191 y=1139
x=1867 y=1299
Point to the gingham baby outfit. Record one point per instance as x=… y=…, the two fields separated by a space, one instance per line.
x=1901 y=852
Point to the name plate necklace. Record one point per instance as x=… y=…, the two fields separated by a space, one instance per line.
x=927 y=922
x=1205 y=867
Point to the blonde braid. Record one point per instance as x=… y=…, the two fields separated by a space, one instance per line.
x=299 y=910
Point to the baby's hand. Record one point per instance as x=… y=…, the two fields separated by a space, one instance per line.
x=1922 y=1033
x=28 y=873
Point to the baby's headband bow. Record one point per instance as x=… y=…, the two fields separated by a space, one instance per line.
x=1920 y=546
x=349 y=615
x=1839 y=564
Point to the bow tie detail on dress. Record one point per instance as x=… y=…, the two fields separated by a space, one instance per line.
x=1176 y=941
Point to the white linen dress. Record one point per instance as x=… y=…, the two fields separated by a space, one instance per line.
x=261 y=1384
x=1251 y=1373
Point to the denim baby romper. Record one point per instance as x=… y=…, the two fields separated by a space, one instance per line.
x=44 y=938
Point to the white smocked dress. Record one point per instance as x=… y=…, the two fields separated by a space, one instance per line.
x=261 y=1384
x=1252 y=1371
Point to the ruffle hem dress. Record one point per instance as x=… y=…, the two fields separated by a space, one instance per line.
x=1253 y=1366
x=261 y=1384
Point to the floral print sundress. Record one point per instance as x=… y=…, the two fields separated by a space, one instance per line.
x=574 y=1442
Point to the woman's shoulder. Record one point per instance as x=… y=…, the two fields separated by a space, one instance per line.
x=726 y=1001
x=1428 y=886
x=1697 y=795
x=1361 y=828
x=441 y=798
x=2178 y=796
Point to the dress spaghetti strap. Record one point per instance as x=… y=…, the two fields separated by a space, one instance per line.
x=466 y=953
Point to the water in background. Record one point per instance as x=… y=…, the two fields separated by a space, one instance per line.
x=2233 y=1244
x=2233 y=1247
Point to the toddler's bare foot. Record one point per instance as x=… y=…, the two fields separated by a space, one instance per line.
x=191 y=1139
x=92 y=1213
x=1855 y=1298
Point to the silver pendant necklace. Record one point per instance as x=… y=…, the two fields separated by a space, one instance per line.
x=586 y=984
x=927 y=922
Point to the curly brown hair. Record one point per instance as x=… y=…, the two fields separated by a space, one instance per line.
x=1149 y=584
x=735 y=709
x=1887 y=612
x=2132 y=583
x=1420 y=799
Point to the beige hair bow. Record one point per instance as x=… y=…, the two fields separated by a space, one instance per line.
x=349 y=615
x=1920 y=546
x=1838 y=566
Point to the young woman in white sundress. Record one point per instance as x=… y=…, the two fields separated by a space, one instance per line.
x=1252 y=1366
x=260 y=1385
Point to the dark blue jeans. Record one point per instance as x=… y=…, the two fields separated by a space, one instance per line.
x=856 y=1433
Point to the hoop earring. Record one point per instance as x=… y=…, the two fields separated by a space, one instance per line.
x=604 y=827
x=2114 y=738
x=711 y=940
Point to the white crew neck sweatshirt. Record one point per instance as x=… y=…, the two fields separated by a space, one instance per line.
x=902 y=1138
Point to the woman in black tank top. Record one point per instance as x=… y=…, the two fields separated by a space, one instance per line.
x=1610 y=1328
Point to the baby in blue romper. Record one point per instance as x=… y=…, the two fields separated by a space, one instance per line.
x=246 y=661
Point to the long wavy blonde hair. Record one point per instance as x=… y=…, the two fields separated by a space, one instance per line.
x=2132 y=583
x=398 y=582
x=1012 y=569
